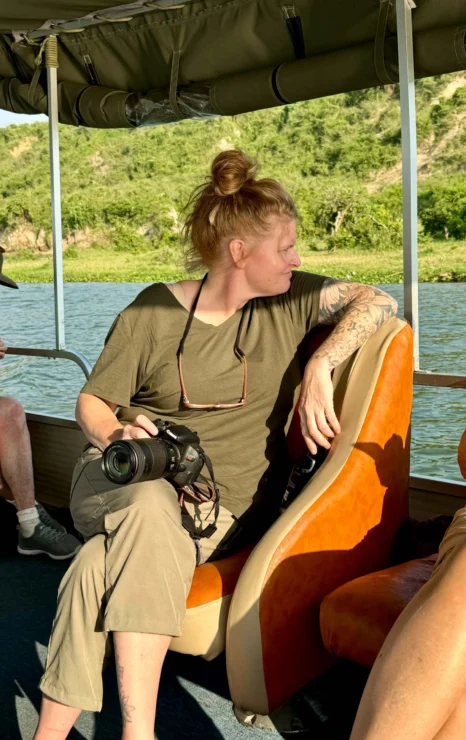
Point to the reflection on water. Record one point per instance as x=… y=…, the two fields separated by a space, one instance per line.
x=51 y=386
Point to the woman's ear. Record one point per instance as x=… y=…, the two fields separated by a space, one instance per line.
x=238 y=252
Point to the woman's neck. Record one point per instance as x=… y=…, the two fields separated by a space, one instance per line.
x=223 y=293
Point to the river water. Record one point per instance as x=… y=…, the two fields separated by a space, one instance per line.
x=51 y=386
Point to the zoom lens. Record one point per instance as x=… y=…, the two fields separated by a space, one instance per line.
x=135 y=460
x=119 y=463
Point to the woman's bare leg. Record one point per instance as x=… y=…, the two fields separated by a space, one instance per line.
x=139 y=658
x=56 y=720
x=419 y=677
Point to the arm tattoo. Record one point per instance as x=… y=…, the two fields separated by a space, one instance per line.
x=126 y=707
x=357 y=312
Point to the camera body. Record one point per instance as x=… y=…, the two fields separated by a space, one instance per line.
x=175 y=453
x=301 y=474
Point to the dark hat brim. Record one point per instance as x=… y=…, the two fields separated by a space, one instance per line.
x=7 y=282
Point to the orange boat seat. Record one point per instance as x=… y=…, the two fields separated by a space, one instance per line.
x=264 y=605
x=356 y=618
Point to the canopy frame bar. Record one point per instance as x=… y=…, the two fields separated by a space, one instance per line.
x=54 y=148
x=404 y=21
x=62 y=354
x=60 y=351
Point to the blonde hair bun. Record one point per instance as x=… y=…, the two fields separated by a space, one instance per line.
x=231 y=170
x=212 y=219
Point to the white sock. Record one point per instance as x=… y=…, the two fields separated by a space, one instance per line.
x=28 y=520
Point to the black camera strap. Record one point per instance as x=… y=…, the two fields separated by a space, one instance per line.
x=188 y=522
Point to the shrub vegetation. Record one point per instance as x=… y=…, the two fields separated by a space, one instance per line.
x=124 y=190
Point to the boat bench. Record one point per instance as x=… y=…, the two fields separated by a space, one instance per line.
x=356 y=618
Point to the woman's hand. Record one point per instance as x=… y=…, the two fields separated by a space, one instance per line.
x=141 y=428
x=3 y=349
x=97 y=419
x=319 y=423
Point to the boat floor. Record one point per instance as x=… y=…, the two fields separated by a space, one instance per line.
x=194 y=700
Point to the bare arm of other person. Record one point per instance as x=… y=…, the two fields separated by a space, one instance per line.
x=357 y=311
x=97 y=419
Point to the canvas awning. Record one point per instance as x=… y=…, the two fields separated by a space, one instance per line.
x=156 y=62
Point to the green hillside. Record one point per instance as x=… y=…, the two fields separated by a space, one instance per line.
x=123 y=191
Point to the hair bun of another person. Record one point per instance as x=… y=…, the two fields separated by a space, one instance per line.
x=231 y=170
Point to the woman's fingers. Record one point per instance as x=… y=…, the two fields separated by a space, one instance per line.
x=332 y=419
x=138 y=433
x=149 y=426
x=323 y=425
x=318 y=427
x=312 y=435
x=319 y=423
x=317 y=435
x=311 y=445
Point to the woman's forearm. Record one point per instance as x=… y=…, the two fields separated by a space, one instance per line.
x=97 y=420
x=358 y=311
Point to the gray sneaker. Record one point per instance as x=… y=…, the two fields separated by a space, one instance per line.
x=47 y=541
x=48 y=520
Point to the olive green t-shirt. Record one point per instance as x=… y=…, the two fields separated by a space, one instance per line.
x=138 y=371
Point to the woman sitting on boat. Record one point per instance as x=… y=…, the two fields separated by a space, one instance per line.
x=220 y=356
x=417 y=687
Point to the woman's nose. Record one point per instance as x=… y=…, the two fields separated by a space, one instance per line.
x=295 y=260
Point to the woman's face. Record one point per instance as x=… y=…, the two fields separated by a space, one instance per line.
x=272 y=257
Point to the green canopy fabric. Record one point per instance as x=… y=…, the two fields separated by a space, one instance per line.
x=156 y=62
x=27 y=16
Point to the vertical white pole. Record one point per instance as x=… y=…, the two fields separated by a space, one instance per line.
x=409 y=156
x=52 y=94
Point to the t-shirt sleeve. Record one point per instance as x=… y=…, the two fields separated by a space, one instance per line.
x=302 y=300
x=115 y=374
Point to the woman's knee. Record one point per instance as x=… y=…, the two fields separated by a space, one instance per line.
x=88 y=567
x=153 y=499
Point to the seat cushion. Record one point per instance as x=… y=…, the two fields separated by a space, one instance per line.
x=207 y=606
x=356 y=618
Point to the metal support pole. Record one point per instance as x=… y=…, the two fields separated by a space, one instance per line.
x=51 y=57
x=409 y=158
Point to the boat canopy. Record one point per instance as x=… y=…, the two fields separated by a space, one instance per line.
x=159 y=61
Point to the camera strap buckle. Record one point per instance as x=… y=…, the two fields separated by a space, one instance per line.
x=198 y=495
x=190 y=525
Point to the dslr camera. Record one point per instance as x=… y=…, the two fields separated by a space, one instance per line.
x=175 y=453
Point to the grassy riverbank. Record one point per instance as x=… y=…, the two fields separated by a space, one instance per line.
x=438 y=262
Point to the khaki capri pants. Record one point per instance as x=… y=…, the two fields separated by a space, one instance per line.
x=132 y=575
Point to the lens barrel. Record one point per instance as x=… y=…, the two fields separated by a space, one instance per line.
x=135 y=460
